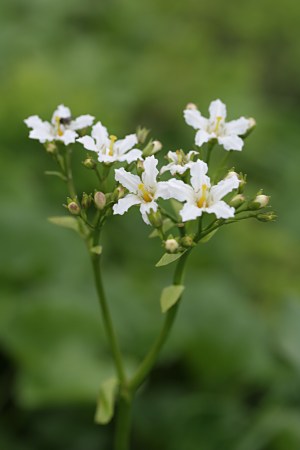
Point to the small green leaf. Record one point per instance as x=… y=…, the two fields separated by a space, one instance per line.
x=106 y=401
x=208 y=237
x=56 y=174
x=168 y=258
x=65 y=222
x=176 y=205
x=169 y=296
x=97 y=249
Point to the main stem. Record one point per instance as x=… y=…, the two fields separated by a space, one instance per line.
x=151 y=357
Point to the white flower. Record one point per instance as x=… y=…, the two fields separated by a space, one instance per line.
x=143 y=191
x=201 y=196
x=226 y=133
x=110 y=149
x=62 y=127
x=179 y=162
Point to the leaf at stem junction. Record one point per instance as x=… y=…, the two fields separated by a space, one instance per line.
x=65 y=222
x=208 y=236
x=56 y=174
x=106 y=401
x=170 y=296
x=168 y=258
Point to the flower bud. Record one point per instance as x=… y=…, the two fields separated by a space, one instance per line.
x=187 y=241
x=74 y=208
x=89 y=163
x=237 y=200
x=141 y=134
x=86 y=200
x=140 y=167
x=99 y=200
x=171 y=245
x=259 y=202
x=50 y=147
x=231 y=174
x=267 y=217
x=151 y=148
x=191 y=106
x=155 y=218
x=118 y=193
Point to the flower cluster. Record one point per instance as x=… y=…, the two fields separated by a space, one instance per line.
x=194 y=192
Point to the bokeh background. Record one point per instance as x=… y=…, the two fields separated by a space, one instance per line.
x=229 y=378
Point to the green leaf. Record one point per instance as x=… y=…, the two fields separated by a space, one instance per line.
x=97 y=249
x=56 y=174
x=176 y=205
x=169 y=296
x=168 y=258
x=65 y=222
x=208 y=236
x=106 y=401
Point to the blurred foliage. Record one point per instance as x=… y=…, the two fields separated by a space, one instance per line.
x=230 y=375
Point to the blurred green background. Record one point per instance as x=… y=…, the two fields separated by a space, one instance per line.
x=229 y=378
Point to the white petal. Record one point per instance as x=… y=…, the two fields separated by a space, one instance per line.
x=69 y=137
x=127 y=179
x=221 y=210
x=238 y=127
x=231 y=142
x=82 y=122
x=100 y=134
x=166 y=168
x=88 y=143
x=190 y=212
x=191 y=153
x=108 y=159
x=223 y=188
x=194 y=119
x=176 y=168
x=146 y=208
x=172 y=157
x=202 y=136
x=198 y=175
x=180 y=191
x=217 y=109
x=150 y=172
x=123 y=145
x=131 y=156
x=125 y=203
x=41 y=131
x=62 y=111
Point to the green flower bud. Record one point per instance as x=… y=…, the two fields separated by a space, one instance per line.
x=171 y=245
x=151 y=148
x=51 y=147
x=187 y=241
x=191 y=106
x=260 y=201
x=141 y=134
x=86 y=200
x=140 y=167
x=155 y=218
x=99 y=200
x=267 y=217
x=89 y=163
x=118 y=193
x=74 y=208
x=237 y=200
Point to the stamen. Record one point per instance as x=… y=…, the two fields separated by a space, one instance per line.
x=145 y=194
x=202 y=200
x=59 y=130
x=111 y=145
x=219 y=118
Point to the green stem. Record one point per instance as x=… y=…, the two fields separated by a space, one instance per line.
x=123 y=422
x=108 y=325
x=150 y=359
x=69 y=173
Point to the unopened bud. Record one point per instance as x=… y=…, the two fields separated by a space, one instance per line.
x=50 y=147
x=155 y=219
x=86 y=200
x=187 y=241
x=191 y=106
x=243 y=182
x=141 y=134
x=89 y=163
x=151 y=148
x=267 y=217
x=237 y=200
x=118 y=193
x=140 y=167
x=259 y=202
x=231 y=174
x=171 y=245
x=99 y=200
x=74 y=208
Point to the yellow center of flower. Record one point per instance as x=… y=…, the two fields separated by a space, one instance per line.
x=202 y=200
x=147 y=196
x=111 y=145
x=59 y=130
x=218 y=121
x=179 y=157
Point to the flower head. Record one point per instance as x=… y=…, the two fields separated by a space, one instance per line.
x=179 y=162
x=109 y=148
x=226 y=133
x=201 y=197
x=61 y=128
x=143 y=191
